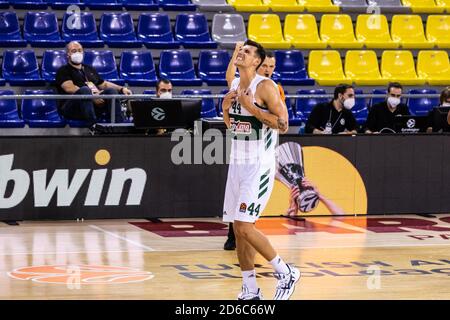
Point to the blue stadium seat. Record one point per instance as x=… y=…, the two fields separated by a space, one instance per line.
x=41 y=113
x=360 y=110
x=208 y=106
x=81 y=27
x=137 y=68
x=9 y=115
x=10 y=35
x=212 y=67
x=294 y=119
x=20 y=67
x=192 y=31
x=177 y=66
x=117 y=30
x=421 y=106
x=28 y=4
x=144 y=5
x=177 y=5
x=103 y=4
x=149 y=92
x=305 y=105
x=41 y=30
x=63 y=4
x=290 y=68
x=374 y=101
x=4 y=4
x=52 y=60
x=105 y=64
x=155 y=31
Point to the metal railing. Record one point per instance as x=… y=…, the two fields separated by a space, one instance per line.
x=115 y=97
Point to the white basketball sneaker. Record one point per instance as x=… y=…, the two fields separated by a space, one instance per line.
x=247 y=295
x=286 y=283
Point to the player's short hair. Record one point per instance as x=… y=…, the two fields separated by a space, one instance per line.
x=269 y=54
x=394 y=85
x=162 y=80
x=340 y=89
x=445 y=95
x=260 y=51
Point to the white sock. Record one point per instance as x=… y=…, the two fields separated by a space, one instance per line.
x=279 y=265
x=249 y=280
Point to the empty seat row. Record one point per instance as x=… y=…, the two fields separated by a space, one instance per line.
x=425 y=6
x=362 y=68
x=20 y=67
x=154 y=30
x=168 y=5
x=336 y=31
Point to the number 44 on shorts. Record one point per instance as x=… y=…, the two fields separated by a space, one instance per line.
x=251 y=209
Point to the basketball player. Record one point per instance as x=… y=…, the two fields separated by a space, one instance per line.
x=265 y=70
x=253 y=111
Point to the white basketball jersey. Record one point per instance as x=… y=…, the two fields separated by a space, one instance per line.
x=251 y=138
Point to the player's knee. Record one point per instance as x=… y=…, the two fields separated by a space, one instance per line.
x=242 y=229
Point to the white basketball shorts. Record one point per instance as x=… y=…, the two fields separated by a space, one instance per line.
x=248 y=190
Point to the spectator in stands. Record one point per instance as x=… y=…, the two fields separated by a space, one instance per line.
x=78 y=78
x=436 y=117
x=382 y=115
x=334 y=117
x=164 y=89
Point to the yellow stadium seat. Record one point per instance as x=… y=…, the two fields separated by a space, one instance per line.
x=301 y=31
x=249 y=5
x=444 y=4
x=325 y=66
x=373 y=31
x=423 y=6
x=407 y=30
x=438 y=30
x=399 y=66
x=319 y=5
x=266 y=29
x=337 y=31
x=362 y=67
x=434 y=67
x=285 y=5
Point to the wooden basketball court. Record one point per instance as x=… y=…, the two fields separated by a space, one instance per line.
x=376 y=257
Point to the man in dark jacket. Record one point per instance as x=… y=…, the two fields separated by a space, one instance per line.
x=382 y=115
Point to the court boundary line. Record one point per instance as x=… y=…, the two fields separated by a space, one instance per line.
x=137 y=244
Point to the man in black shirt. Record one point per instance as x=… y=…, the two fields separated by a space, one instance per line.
x=334 y=116
x=78 y=78
x=382 y=115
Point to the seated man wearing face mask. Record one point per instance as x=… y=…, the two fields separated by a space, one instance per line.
x=334 y=116
x=78 y=78
x=382 y=115
x=164 y=89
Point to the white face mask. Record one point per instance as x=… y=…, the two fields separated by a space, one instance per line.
x=446 y=104
x=77 y=58
x=393 y=102
x=166 y=95
x=349 y=103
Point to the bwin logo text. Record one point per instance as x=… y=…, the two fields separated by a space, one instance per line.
x=67 y=190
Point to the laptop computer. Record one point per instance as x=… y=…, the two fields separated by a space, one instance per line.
x=165 y=113
x=410 y=124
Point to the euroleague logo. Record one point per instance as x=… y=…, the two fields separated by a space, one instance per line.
x=82 y=274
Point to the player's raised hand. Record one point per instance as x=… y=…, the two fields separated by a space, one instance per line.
x=308 y=184
x=228 y=100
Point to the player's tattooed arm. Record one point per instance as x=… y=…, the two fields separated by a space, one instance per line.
x=277 y=118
